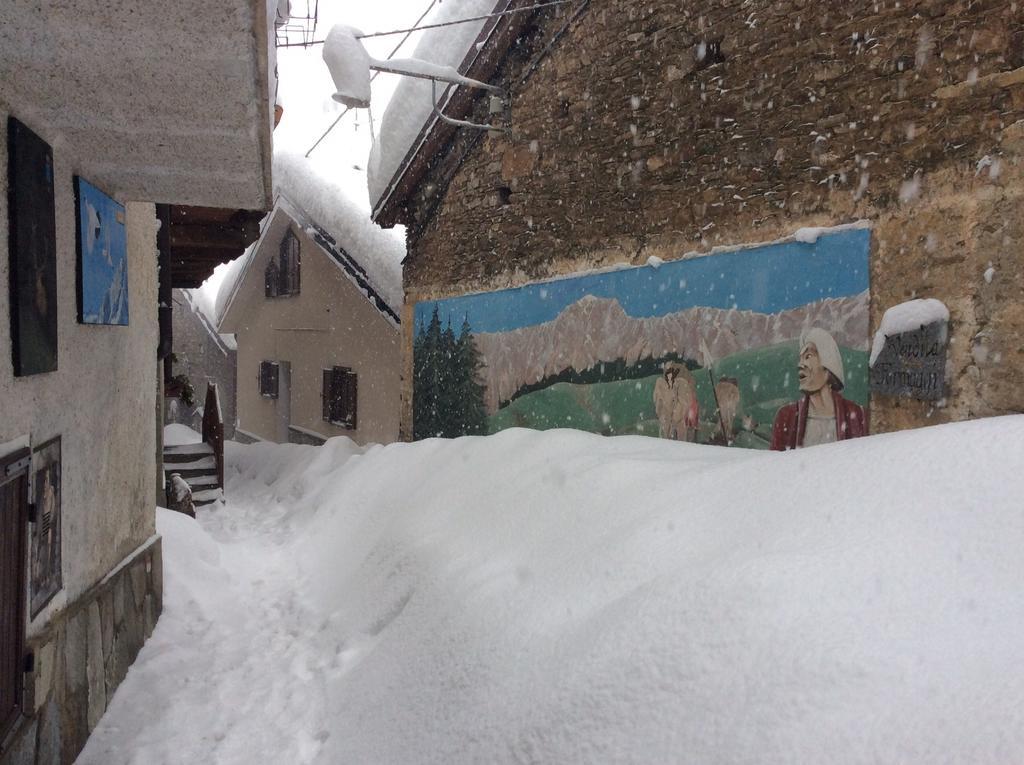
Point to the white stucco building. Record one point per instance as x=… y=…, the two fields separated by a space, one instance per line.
x=153 y=104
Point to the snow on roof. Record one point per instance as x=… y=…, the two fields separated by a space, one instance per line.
x=202 y=302
x=411 y=106
x=324 y=204
x=323 y=199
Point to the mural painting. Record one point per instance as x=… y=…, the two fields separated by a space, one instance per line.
x=762 y=347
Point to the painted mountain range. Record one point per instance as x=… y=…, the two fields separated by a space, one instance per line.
x=595 y=330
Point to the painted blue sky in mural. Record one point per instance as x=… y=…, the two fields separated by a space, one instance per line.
x=767 y=279
x=104 y=272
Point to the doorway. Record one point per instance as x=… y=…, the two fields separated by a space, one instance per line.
x=14 y=472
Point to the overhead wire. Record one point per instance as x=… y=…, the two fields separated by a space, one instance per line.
x=417 y=28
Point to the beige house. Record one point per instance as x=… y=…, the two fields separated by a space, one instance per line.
x=318 y=343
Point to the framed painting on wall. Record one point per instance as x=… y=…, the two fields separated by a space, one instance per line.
x=45 y=574
x=102 y=256
x=33 y=251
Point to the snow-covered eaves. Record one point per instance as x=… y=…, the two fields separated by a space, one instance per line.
x=355 y=271
x=411 y=135
x=273 y=226
x=153 y=101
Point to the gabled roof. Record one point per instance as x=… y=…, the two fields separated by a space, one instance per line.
x=328 y=244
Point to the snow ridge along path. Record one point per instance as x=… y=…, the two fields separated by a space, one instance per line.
x=560 y=597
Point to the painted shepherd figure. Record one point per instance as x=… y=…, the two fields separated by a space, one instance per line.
x=821 y=415
x=675 y=403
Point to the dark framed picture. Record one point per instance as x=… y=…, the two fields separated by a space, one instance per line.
x=45 y=574
x=102 y=246
x=33 y=251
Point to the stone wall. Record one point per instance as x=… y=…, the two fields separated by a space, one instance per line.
x=205 y=358
x=664 y=128
x=82 y=656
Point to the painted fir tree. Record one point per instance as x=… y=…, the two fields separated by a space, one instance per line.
x=448 y=398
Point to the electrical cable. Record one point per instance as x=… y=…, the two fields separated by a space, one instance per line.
x=465 y=21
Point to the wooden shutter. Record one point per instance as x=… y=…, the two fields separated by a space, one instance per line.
x=326 y=394
x=341 y=405
x=347 y=396
x=288 y=254
x=293 y=264
x=269 y=375
x=271 y=277
x=13 y=528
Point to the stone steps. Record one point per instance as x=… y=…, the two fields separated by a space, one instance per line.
x=197 y=466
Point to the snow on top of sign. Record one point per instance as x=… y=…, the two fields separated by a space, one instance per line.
x=907 y=317
x=411 y=106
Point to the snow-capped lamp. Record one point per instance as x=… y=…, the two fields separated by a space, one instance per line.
x=349 y=65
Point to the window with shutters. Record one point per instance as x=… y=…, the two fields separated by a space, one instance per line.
x=282 y=275
x=340 y=395
x=269 y=376
x=13 y=525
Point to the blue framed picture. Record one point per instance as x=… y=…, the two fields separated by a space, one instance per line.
x=102 y=257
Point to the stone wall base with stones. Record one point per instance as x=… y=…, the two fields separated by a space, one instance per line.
x=82 y=656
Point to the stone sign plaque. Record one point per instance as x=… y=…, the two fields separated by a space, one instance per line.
x=913 y=364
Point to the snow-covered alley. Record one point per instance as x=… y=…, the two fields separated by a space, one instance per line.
x=563 y=597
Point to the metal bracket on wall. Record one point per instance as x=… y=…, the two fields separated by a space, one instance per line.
x=466 y=123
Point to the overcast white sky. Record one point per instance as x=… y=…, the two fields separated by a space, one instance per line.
x=305 y=89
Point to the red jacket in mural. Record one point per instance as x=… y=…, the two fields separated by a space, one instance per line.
x=791 y=422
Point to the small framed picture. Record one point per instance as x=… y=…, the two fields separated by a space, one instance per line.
x=45 y=573
x=102 y=256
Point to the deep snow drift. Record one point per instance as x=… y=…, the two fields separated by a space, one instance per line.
x=561 y=597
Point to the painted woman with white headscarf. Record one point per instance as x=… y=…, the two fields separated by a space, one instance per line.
x=821 y=415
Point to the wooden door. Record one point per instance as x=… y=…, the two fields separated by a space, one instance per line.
x=14 y=472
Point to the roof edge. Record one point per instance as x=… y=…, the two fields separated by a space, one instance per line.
x=479 y=63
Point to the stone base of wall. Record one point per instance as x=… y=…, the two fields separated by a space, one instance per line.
x=81 y=658
x=296 y=436
x=245 y=438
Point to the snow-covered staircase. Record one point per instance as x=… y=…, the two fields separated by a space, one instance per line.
x=197 y=465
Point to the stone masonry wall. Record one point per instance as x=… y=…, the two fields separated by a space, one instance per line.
x=662 y=128
x=81 y=658
x=204 y=359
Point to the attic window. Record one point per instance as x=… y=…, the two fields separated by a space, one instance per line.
x=282 y=275
x=340 y=389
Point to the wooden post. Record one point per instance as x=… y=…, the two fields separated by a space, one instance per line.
x=213 y=429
